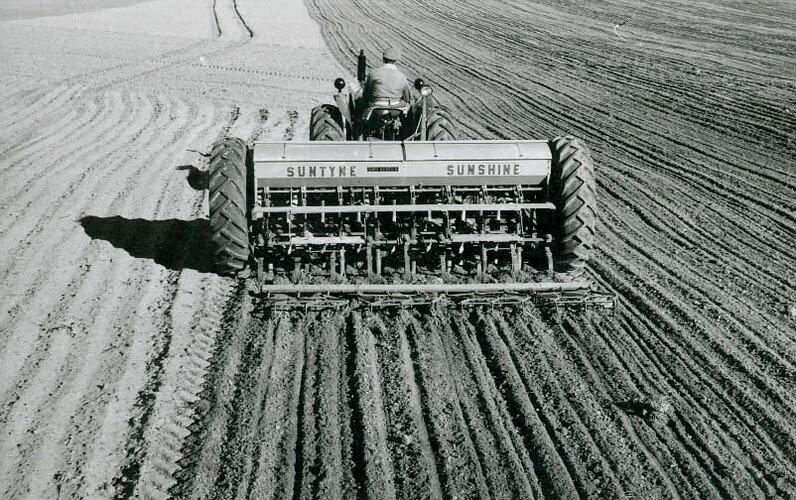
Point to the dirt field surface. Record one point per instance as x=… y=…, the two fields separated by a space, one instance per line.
x=14 y=9
x=128 y=369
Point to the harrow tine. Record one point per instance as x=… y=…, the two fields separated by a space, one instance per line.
x=318 y=297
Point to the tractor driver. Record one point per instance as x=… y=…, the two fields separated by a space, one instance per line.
x=387 y=85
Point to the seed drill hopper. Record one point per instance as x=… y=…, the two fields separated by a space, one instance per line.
x=383 y=206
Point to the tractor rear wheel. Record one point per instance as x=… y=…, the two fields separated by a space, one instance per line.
x=324 y=125
x=572 y=190
x=229 y=226
x=439 y=126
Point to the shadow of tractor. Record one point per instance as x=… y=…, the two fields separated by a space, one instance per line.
x=173 y=243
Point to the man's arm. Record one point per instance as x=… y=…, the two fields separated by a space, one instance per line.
x=406 y=93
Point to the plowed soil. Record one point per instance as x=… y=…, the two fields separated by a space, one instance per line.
x=129 y=369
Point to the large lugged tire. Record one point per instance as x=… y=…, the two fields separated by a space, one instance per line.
x=324 y=125
x=439 y=126
x=572 y=190
x=228 y=223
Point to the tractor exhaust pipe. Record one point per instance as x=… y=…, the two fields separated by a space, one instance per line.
x=361 y=66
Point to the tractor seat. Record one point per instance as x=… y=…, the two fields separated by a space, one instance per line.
x=383 y=107
x=387 y=103
x=384 y=113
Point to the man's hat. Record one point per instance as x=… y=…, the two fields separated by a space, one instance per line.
x=392 y=54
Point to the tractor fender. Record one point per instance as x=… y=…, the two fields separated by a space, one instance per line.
x=343 y=104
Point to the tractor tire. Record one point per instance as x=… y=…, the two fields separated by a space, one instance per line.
x=439 y=126
x=229 y=227
x=324 y=126
x=573 y=191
